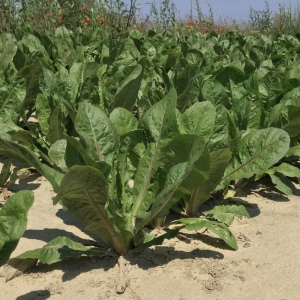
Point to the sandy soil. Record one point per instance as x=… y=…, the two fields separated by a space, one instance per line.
x=266 y=266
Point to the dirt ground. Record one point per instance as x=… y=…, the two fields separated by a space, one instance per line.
x=265 y=267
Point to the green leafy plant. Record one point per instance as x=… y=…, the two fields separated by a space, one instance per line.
x=121 y=176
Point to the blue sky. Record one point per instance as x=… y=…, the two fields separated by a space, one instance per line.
x=229 y=9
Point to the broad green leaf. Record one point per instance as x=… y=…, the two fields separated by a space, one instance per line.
x=184 y=86
x=59 y=249
x=56 y=125
x=50 y=79
x=256 y=111
x=145 y=185
x=231 y=74
x=84 y=192
x=220 y=229
x=220 y=137
x=8 y=50
x=98 y=133
x=11 y=102
x=34 y=44
x=181 y=180
x=127 y=93
x=161 y=124
x=178 y=150
x=43 y=112
x=63 y=40
x=214 y=92
x=65 y=84
x=199 y=120
x=31 y=74
x=68 y=152
x=123 y=120
x=57 y=153
x=226 y=213
x=286 y=169
x=124 y=176
x=13 y=222
x=256 y=153
x=160 y=120
x=193 y=57
x=76 y=79
x=286 y=114
x=282 y=183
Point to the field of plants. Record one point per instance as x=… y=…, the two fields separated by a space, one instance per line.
x=136 y=130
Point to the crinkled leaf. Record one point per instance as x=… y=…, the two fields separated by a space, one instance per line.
x=97 y=131
x=34 y=44
x=123 y=120
x=11 y=102
x=286 y=114
x=8 y=50
x=43 y=112
x=199 y=120
x=76 y=78
x=256 y=153
x=57 y=153
x=160 y=120
x=84 y=192
x=181 y=179
x=215 y=92
x=161 y=124
x=220 y=229
x=226 y=213
x=32 y=74
x=220 y=137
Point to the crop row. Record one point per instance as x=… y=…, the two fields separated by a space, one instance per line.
x=128 y=128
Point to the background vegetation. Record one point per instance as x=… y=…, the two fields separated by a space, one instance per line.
x=117 y=17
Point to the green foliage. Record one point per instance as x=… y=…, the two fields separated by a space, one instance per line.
x=261 y=20
x=217 y=228
x=256 y=153
x=126 y=127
